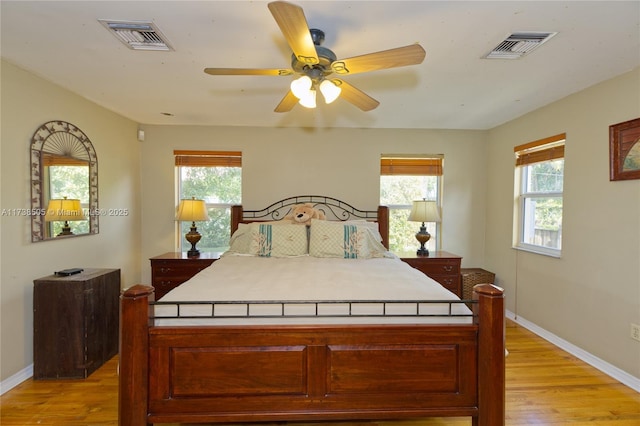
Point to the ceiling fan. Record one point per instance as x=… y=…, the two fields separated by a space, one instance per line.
x=316 y=64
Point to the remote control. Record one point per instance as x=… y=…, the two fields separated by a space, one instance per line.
x=67 y=272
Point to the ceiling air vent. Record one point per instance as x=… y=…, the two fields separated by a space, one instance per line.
x=137 y=35
x=519 y=44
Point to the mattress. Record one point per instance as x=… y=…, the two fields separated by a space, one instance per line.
x=250 y=290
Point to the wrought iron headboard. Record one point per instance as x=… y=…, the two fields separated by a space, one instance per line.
x=333 y=209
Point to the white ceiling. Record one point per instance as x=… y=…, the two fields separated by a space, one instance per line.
x=454 y=88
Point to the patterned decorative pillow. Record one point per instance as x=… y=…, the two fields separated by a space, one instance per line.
x=345 y=240
x=278 y=240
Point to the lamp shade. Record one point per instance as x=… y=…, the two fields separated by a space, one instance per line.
x=330 y=91
x=309 y=99
x=301 y=86
x=424 y=211
x=192 y=210
x=64 y=209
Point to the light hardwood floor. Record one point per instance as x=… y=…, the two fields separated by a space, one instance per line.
x=545 y=386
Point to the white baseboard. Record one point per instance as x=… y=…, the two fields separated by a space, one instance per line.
x=608 y=369
x=13 y=381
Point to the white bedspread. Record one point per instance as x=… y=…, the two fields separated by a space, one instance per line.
x=252 y=278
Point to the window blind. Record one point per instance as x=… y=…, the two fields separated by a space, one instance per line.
x=208 y=158
x=546 y=149
x=414 y=166
x=58 y=160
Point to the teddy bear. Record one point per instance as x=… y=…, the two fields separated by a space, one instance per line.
x=303 y=213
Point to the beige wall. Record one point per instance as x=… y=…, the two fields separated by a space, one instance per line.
x=27 y=102
x=342 y=163
x=587 y=297
x=591 y=294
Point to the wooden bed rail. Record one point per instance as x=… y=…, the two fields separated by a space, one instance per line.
x=134 y=372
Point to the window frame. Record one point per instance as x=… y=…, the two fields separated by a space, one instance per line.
x=188 y=158
x=416 y=165
x=527 y=155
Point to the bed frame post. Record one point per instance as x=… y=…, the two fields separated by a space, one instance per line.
x=383 y=224
x=236 y=217
x=134 y=356
x=491 y=355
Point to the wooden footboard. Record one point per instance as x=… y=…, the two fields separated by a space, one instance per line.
x=312 y=372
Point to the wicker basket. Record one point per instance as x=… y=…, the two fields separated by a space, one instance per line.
x=473 y=276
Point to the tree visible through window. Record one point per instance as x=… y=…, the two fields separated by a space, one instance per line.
x=216 y=178
x=539 y=180
x=402 y=181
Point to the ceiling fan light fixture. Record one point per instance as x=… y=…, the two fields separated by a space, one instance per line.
x=329 y=90
x=309 y=99
x=301 y=87
x=312 y=63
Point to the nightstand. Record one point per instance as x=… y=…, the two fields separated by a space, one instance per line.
x=171 y=269
x=441 y=266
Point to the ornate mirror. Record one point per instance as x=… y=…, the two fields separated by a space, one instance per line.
x=64 y=183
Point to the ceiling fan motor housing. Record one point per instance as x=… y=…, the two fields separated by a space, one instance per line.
x=325 y=58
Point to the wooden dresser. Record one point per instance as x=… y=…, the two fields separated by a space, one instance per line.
x=441 y=266
x=75 y=323
x=171 y=269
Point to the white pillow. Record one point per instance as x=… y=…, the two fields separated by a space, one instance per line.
x=278 y=240
x=240 y=239
x=349 y=240
x=373 y=226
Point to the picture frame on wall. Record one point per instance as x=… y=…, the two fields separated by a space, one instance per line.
x=624 y=150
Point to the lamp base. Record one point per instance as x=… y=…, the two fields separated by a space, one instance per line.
x=422 y=252
x=423 y=236
x=66 y=229
x=193 y=236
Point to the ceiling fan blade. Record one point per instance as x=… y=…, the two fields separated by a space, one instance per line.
x=294 y=27
x=287 y=103
x=247 y=71
x=355 y=96
x=399 y=57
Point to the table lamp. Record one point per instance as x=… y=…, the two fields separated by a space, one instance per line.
x=64 y=209
x=192 y=210
x=424 y=211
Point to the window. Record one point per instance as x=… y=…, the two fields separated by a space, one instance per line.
x=404 y=179
x=539 y=186
x=216 y=177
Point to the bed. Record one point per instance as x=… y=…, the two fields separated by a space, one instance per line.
x=316 y=352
